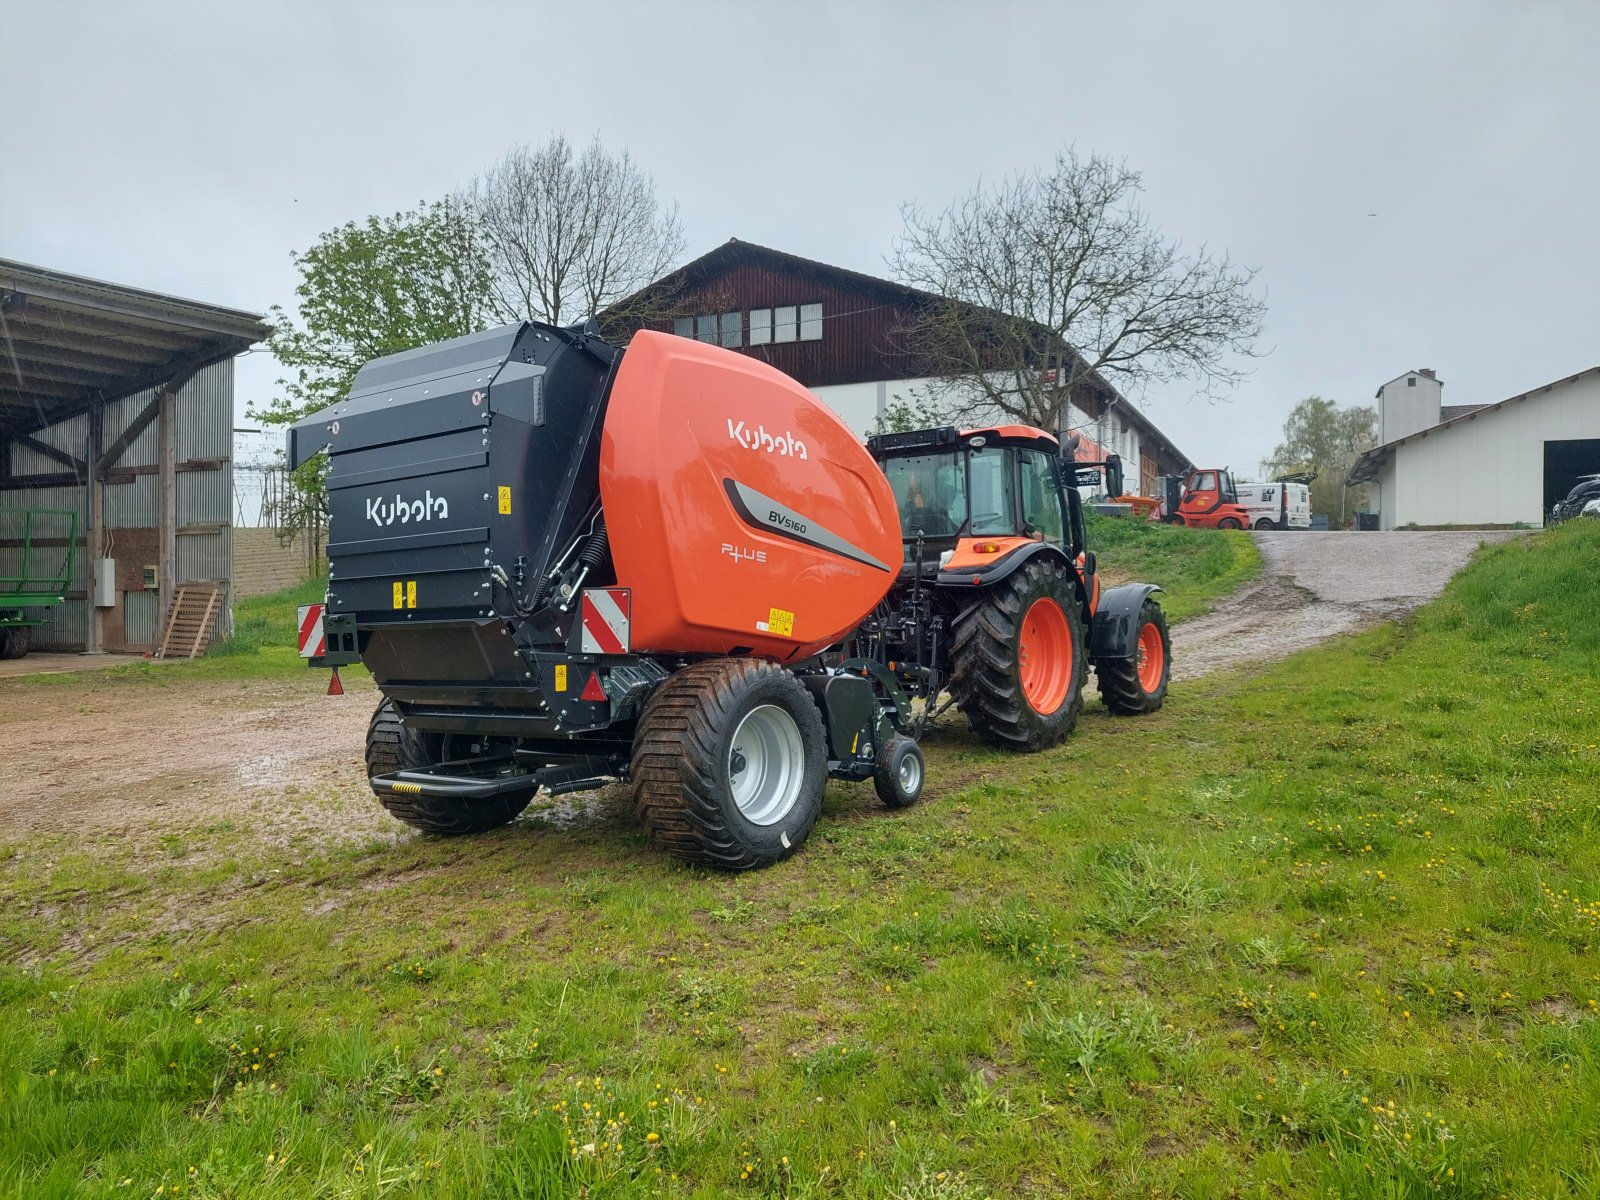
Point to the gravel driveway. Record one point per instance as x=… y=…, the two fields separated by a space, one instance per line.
x=1315 y=586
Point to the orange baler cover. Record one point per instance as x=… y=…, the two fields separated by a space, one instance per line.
x=742 y=512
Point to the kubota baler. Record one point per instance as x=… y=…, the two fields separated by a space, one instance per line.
x=568 y=564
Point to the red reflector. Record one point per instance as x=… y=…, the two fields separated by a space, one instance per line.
x=592 y=690
x=976 y=580
x=335 y=688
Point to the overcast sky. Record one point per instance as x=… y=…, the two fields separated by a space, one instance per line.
x=1419 y=183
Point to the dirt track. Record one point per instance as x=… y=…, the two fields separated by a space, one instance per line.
x=142 y=757
x=1315 y=586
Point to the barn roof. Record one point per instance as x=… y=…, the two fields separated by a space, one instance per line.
x=68 y=343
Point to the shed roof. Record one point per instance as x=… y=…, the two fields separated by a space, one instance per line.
x=68 y=342
x=1370 y=462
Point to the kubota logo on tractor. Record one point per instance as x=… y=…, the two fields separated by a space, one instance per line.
x=785 y=444
x=386 y=512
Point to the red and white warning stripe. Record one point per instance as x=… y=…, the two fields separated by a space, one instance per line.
x=605 y=614
x=313 y=642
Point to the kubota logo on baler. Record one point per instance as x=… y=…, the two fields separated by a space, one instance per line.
x=386 y=512
x=785 y=444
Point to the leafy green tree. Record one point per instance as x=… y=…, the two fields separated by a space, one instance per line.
x=1321 y=436
x=902 y=415
x=373 y=288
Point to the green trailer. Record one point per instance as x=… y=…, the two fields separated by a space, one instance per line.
x=36 y=551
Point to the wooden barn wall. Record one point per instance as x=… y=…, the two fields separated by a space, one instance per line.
x=858 y=329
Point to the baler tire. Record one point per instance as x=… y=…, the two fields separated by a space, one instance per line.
x=682 y=764
x=986 y=677
x=898 y=784
x=1126 y=688
x=14 y=641
x=392 y=747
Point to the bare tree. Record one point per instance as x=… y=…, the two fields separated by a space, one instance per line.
x=568 y=236
x=1048 y=283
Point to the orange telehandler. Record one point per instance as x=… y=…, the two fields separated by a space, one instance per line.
x=568 y=564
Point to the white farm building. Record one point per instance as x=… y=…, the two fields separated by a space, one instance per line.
x=1497 y=464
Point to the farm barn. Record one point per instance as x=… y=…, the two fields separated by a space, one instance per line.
x=1499 y=464
x=116 y=430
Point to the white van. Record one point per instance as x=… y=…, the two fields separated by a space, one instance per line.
x=1277 y=505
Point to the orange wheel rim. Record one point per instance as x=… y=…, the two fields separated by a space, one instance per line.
x=1152 y=658
x=1045 y=655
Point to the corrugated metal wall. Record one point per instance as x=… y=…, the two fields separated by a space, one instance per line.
x=203 y=417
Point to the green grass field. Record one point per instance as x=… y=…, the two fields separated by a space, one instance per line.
x=1325 y=929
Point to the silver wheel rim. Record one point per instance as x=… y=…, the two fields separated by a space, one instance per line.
x=766 y=765
x=909 y=774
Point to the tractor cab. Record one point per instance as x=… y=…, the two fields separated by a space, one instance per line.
x=972 y=497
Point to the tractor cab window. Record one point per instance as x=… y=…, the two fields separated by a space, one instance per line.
x=989 y=470
x=931 y=492
x=1041 y=501
x=1205 y=481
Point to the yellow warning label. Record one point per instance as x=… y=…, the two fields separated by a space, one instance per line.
x=505 y=502
x=780 y=622
x=561 y=677
x=411 y=593
x=399 y=594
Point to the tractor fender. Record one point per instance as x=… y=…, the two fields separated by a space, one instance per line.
x=1002 y=567
x=1115 y=630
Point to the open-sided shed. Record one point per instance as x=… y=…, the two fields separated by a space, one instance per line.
x=116 y=414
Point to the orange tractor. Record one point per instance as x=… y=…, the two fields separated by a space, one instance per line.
x=568 y=564
x=1206 y=499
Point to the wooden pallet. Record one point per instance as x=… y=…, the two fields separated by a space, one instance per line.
x=190 y=620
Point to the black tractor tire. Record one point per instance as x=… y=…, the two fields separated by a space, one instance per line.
x=899 y=772
x=702 y=730
x=1266 y=523
x=1229 y=523
x=1172 y=519
x=986 y=677
x=1125 y=687
x=14 y=641
x=392 y=747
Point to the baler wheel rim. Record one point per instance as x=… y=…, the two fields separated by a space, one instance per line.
x=1045 y=655
x=766 y=765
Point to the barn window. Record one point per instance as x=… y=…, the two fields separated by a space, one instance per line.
x=731 y=327
x=783 y=324
x=1411 y=381
x=705 y=328
x=760 y=326
x=811 y=322
x=683 y=326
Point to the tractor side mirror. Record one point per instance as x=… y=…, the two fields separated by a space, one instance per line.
x=1113 y=475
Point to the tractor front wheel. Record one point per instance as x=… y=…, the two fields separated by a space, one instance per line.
x=1131 y=687
x=392 y=747
x=729 y=763
x=1019 y=669
x=1229 y=523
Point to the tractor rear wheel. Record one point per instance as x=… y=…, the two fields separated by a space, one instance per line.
x=1131 y=687
x=392 y=747
x=14 y=641
x=1018 y=669
x=729 y=763
x=1229 y=523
